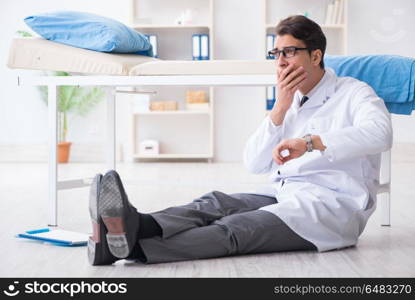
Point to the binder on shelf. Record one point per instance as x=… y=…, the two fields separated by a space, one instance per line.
x=270 y=97
x=152 y=38
x=270 y=45
x=204 y=46
x=200 y=46
x=196 y=47
x=153 y=42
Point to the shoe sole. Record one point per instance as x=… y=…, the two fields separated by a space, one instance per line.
x=112 y=214
x=97 y=253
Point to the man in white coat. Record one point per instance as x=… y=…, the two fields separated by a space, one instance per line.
x=321 y=145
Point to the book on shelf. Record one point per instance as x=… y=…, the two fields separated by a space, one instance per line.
x=340 y=12
x=329 y=13
x=334 y=13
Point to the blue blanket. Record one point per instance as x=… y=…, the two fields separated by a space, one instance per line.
x=392 y=77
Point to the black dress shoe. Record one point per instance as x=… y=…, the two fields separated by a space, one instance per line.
x=98 y=251
x=121 y=219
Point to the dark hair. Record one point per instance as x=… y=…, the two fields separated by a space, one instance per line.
x=306 y=30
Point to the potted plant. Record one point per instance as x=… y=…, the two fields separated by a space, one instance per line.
x=71 y=100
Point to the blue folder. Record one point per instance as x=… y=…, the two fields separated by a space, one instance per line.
x=56 y=237
x=200 y=47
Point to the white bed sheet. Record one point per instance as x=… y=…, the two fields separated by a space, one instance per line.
x=41 y=54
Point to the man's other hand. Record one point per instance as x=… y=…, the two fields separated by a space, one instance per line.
x=296 y=148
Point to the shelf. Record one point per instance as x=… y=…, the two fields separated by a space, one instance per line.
x=333 y=26
x=161 y=26
x=323 y=26
x=173 y=155
x=183 y=133
x=173 y=112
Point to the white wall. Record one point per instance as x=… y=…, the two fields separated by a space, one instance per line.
x=238 y=110
x=239 y=35
x=385 y=27
x=23 y=116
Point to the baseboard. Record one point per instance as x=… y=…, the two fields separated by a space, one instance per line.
x=39 y=153
x=403 y=152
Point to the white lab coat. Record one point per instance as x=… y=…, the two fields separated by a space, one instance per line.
x=326 y=196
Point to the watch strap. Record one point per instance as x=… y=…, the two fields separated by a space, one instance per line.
x=309 y=142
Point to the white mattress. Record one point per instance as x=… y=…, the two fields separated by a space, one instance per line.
x=41 y=54
x=205 y=67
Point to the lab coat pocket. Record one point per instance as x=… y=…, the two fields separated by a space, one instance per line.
x=319 y=125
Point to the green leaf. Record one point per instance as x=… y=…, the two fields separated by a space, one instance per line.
x=24 y=33
x=67 y=98
x=89 y=100
x=75 y=99
x=62 y=73
x=43 y=90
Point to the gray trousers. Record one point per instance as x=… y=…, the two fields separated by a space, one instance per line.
x=218 y=224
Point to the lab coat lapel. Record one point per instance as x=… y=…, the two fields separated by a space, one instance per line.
x=320 y=94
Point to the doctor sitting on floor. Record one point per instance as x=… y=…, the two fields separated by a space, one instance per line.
x=321 y=145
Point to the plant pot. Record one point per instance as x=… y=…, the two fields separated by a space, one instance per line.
x=63 y=152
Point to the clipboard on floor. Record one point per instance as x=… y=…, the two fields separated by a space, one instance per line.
x=56 y=237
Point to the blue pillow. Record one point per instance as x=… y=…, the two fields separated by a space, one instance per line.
x=89 y=31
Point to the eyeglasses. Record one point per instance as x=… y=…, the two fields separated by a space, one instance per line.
x=287 y=52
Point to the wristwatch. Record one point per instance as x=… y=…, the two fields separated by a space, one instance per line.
x=309 y=144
